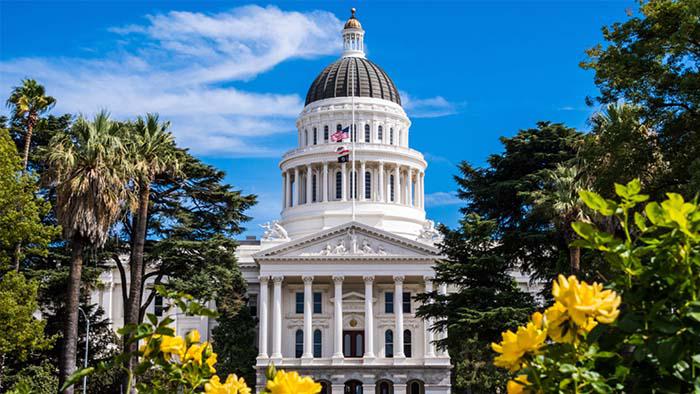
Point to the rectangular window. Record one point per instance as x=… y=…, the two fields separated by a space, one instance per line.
x=253 y=304
x=407 y=302
x=299 y=302
x=158 y=305
x=315 y=137
x=313 y=188
x=317 y=343
x=389 y=302
x=318 y=303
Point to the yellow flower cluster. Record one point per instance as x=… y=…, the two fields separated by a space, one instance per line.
x=292 y=383
x=578 y=308
x=519 y=385
x=233 y=385
x=514 y=345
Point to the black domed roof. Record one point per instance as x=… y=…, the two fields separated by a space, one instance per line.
x=370 y=81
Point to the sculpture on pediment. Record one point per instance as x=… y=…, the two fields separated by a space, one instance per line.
x=429 y=233
x=366 y=247
x=340 y=248
x=274 y=231
x=381 y=251
x=327 y=250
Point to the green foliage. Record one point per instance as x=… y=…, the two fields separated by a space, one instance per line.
x=657 y=261
x=21 y=211
x=486 y=302
x=502 y=192
x=36 y=379
x=652 y=60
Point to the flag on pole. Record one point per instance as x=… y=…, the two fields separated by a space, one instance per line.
x=343 y=159
x=342 y=150
x=340 y=135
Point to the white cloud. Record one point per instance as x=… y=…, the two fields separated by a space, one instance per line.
x=438 y=199
x=432 y=107
x=182 y=65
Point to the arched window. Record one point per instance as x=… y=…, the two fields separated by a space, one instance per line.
x=353 y=387
x=384 y=387
x=338 y=127
x=407 y=348
x=317 y=343
x=299 y=343
x=315 y=137
x=391 y=188
x=368 y=185
x=325 y=133
x=380 y=134
x=338 y=185
x=391 y=136
x=313 y=188
x=367 y=133
x=415 y=387
x=388 y=344
x=325 y=386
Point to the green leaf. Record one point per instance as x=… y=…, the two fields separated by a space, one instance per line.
x=75 y=377
x=655 y=213
x=621 y=190
x=640 y=221
x=584 y=230
x=596 y=202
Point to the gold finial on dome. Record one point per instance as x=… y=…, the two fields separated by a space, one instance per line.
x=353 y=23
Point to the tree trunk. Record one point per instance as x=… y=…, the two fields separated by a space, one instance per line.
x=31 y=120
x=70 y=329
x=136 y=264
x=575 y=259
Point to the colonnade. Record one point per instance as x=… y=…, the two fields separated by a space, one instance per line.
x=378 y=182
x=338 y=356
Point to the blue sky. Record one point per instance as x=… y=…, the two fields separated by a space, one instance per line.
x=232 y=76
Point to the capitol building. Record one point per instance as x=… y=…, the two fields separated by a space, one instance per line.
x=333 y=281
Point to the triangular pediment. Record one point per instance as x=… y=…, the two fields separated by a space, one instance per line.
x=350 y=241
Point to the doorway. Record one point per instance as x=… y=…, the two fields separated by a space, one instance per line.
x=353 y=343
x=353 y=387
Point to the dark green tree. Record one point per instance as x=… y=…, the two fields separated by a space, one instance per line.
x=501 y=192
x=652 y=61
x=485 y=302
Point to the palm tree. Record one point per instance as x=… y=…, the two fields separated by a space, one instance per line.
x=151 y=150
x=86 y=166
x=559 y=196
x=28 y=101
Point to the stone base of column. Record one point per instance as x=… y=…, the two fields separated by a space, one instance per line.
x=368 y=359
x=337 y=359
x=262 y=360
x=276 y=359
x=435 y=361
x=399 y=360
x=307 y=359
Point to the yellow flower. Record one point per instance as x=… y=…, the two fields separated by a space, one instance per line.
x=210 y=361
x=233 y=385
x=515 y=345
x=193 y=336
x=195 y=353
x=173 y=345
x=519 y=385
x=292 y=383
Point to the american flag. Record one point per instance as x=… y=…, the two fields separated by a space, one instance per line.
x=341 y=135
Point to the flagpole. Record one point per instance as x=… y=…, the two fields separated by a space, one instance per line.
x=353 y=135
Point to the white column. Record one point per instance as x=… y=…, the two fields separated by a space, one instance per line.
x=344 y=182
x=338 y=320
x=309 y=178
x=422 y=189
x=409 y=187
x=397 y=185
x=362 y=181
x=262 y=311
x=287 y=189
x=381 y=186
x=369 y=319
x=398 y=314
x=308 y=304
x=428 y=323
x=325 y=182
x=284 y=188
x=442 y=290
x=297 y=182
x=277 y=319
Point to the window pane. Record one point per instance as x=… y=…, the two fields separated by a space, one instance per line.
x=347 y=342
x=407 y=343
x=313 y=188
x=389 y=302
x=318 y=304
x=359 y=345
x=253 y=304
x=299 y=348
x=317 y=343
x=368 y=185
x=325 y=133
x=299 y=302
x=389 y=343
x=315 y=137
x=407 y=302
